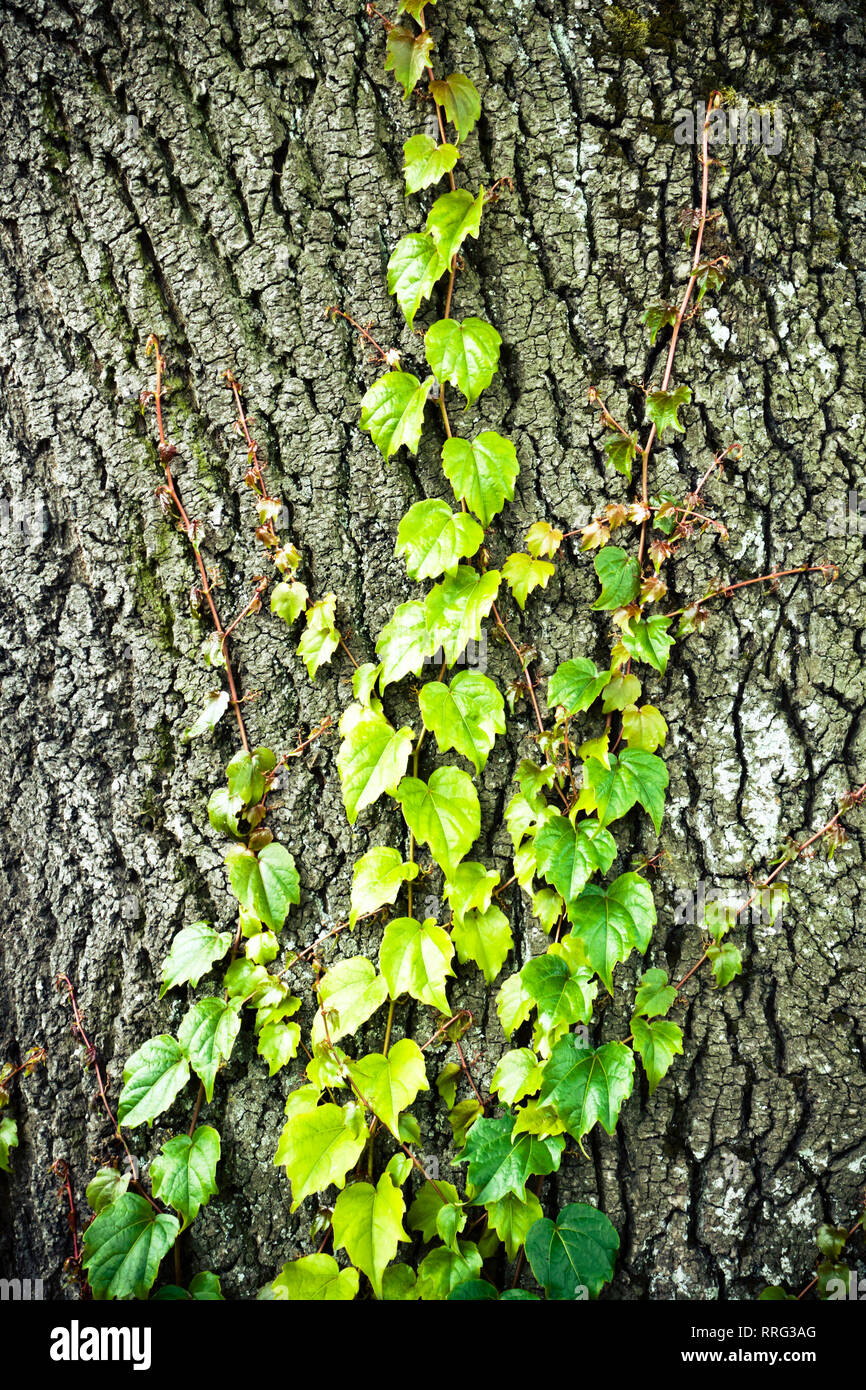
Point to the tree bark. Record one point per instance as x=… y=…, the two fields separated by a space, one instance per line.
x=219 y=176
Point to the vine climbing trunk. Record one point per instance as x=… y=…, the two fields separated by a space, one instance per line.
x=220 y=177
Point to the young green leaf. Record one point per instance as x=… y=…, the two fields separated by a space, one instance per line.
x=372 y=758
x=522 y=574
x=434 y=540
x=363 y=683
x=318 y=1147
x=649 y=640
x=320 y=638
x=390 y=1084
x=105 y=1188
x=567 y=856
x=443 y=813
x=726 y=960
x=313 y=1279
x=610 y=923
x=349 y=993
x=485 y=938
x=152 y=1078
x=444 y=1270
x=247 y=774
x=644 y=728
x=425 y=1211
x=657 y=1041
x=635 y=776
x=184 y=1173
x=512 y=1218
x=404 y=643
x=377 y=879
x=123 y=1247
x=657 y=316
x=207 y=1035
x=407 y=55
x=193 y=951
x=499 y=1163
x=654 y=994
x=456 y=607
x=288 y=600
x=278 y=1044
x=584 y=1086
x=575 y=685
x=619 y=575
x=574 y=1252
x=426 y=162
x=416 y=960
x=415 y=266
x=8 y=1140
x=465 y=715
x=543 y=539
x=513 y=1004
x=266 y=884
x=453 y=217
x=662 y=407
x=393 y=408
x=460 y=100
x=465 y=354
x=518 y=1074
x=620 y=691
x=368 y=1225
x=471 y=889
x=621 y=450
x=217 y=703
x=482 y=472
x=562 y=996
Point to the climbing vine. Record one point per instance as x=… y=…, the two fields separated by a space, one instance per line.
x=349 y=1126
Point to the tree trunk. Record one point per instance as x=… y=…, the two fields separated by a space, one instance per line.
x=219 y=176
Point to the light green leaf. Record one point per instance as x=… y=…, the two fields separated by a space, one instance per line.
x=378 y=877
x=217 y=703
x=575 y=685
x=266 y=884
x=654 y=994
x=404 y=643
x=726 y=961
x=372 y=758
x=649 y=640
x=124 y=1245
x=456 y=607
x=416 y=960
x=8 y=1140
x=368 y=1225
x=584 y=1086
x=288 y=600
x=561 y=995
x=152 y=1078
x=453 y=217
x=443 y=813
x=567 y=856
x=513 y=1004
x=278 y=1044
x=350 y=992
x=657 y=1041
x=644 y=728
x=443 y=1270
x=471 y=889
x=485 y=938
x=635 y=776
x=207 y=1035
x=465 y=354
x=518 y=1074
x=656 y=316
x=407 y=55
x=542 y=539
x=184 y=1173
x=105 y=1188
x=611 y=923
x=500 y=1163
x=390 y=1084
x=416 y=264
x=193 y=951
x=320 y=638
x=460 y=100
x=313 y=1279
x=619 y=575
x=662 y=407
x=621 y=450
x=620 y=692
x=425 y=1210
x=426 y=162
x=512 y=1218
x=522 y=574
x=548 y=907
x=434 y=539
x=576 y=1251
x=363 y=682
x=393 y=408
x=482 y=472
x=465 y=715
x=247 y=774
x=318 y=1147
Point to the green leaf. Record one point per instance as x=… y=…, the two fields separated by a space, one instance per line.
x=518 y=1074
x=393 y=408
x=318 y=1147
x=471 y=889
x=443 y=813
x=247 y=774
x=398 y=1281
x=482 y=472
x=662 y=407
x=443 y=1270
x=184 y=1174
x=620 y=692
x=654 y=994
x=460 y=100
x=416 y=264
x=407 y=55
x=619 y=575
x=453 y=217
x=584 y=1086
x=313 y=1279
x=576 y=1251
x=416 y=960
x=404 y=643
x=426 y=1209
x=207 y=1035
x=635 y=776
x=390 y=1084
x=658 y=1042
x=320 y=638
x=217 y=703
x=621 y=450
x=105 y=1188
x=426 y=162
x=512 y=1217
x=465 y=715
x=657 y=316
x=649 y=640
x=372 y=758
x=377 y=879
x=522 y=574
x=567 y=856
x=434 y=539
x=465 y=354
x=364 y=680
x=351 y=992
x=611 y=923
x=278 y=1044
x=831 y=1240
x=8 y=1140
x=575 y=685
x=499 y=1163
x=368 y=1225
x=562 y=996
x=193 y=952
x=644 y=728
x=266 y=884
x=124 y=1245
x=288 y=600
x=726 y=961
x=413 y=7
x=513 y=1004
x=223 y=810
x=152 y=1078
x=485 y=938
x=456 y=607
x=548 y=907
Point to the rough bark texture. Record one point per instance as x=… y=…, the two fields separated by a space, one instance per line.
x=219 y=175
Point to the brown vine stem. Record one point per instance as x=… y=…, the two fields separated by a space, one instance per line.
x=166 y=453
x=727 y=589
x=856 y=1227
x=713 y=102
